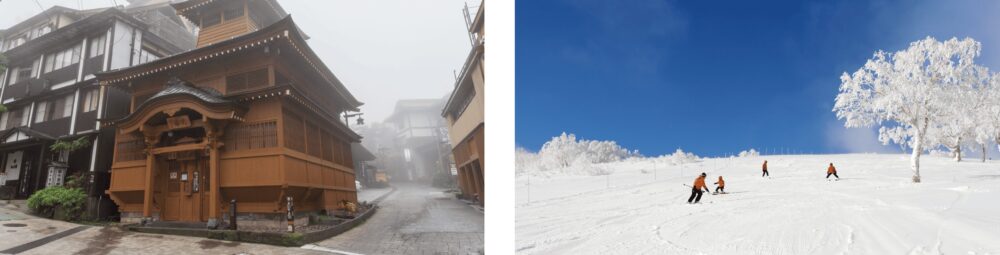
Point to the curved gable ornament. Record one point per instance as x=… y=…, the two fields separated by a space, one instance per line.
x=177 y=95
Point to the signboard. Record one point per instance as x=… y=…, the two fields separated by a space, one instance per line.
x=454 y=171
x=13 y=166
x=178 y=122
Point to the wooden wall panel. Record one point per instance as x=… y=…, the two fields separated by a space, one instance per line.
x=128 y=178
x=250 y=171
x=224 y=31
x=263 y=110
x=314 y=174
x=295 y=170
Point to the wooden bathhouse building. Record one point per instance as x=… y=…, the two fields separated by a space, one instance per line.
x=250 y=114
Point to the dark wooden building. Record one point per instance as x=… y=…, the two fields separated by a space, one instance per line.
x=249 y=115
x=51 y=93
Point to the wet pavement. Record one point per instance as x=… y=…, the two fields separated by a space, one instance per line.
x=370 y=194
x=110 y=240
x=415 y=219
x=18 y=229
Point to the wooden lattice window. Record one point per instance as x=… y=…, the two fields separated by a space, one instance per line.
x=248 y=80
x=294 y=132
x=129 y=148
x=348 y=159
x=339 y=155
x=326 y=143
x=252 y=136
x=313 y=140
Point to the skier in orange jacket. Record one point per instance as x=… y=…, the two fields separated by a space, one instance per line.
x=765 y=170
x=696 y=188
x=721 y=185
x=831 y=171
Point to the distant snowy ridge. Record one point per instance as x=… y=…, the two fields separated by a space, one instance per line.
x=567 y=155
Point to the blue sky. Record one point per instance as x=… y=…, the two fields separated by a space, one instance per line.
x=715 y=77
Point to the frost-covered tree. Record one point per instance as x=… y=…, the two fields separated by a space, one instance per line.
x=957 y=127
x=906 y=89
x=524 y=161
x=566 y=151
x=678 y=157
x=990 y=114
x=561 y=151
x=984 y=109
x=749 y=153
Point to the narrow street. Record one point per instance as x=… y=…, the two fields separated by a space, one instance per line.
x=415 y=219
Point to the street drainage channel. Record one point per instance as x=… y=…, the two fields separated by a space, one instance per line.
x=15 y=225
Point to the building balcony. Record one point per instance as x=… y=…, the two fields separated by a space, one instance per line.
x=61 y=75
x=56 y=127
x=25 y=88
x=93 y=65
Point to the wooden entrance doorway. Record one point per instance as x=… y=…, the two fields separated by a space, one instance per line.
x=187 y=190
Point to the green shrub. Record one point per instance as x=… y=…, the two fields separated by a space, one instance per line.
x=68 y=200
x=76 y=181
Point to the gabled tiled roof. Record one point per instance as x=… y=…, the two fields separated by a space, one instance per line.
x=177 y=86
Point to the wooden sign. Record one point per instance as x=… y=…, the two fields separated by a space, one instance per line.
x=178 y=122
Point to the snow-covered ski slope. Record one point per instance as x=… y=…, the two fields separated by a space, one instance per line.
x=873 y=209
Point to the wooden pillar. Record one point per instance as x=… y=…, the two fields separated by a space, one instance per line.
x=147 y=201
x=213 y=132
x=213 y=168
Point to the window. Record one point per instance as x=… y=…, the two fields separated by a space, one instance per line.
x=12 y=43
x=90 y=100
x=129 y=147
x=313 y=140
x=96 y=46
x=21 y=74
x=465 y=104
x=233 y=13
x=146 y=55
x=54 y=109
x=16 y=117
x=248 y=80
x=40 y=31
x=210 y=20
x=294 y=132
x=64 y=58
x=251 y=136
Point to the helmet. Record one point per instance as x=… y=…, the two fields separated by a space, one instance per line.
x=703 y=174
